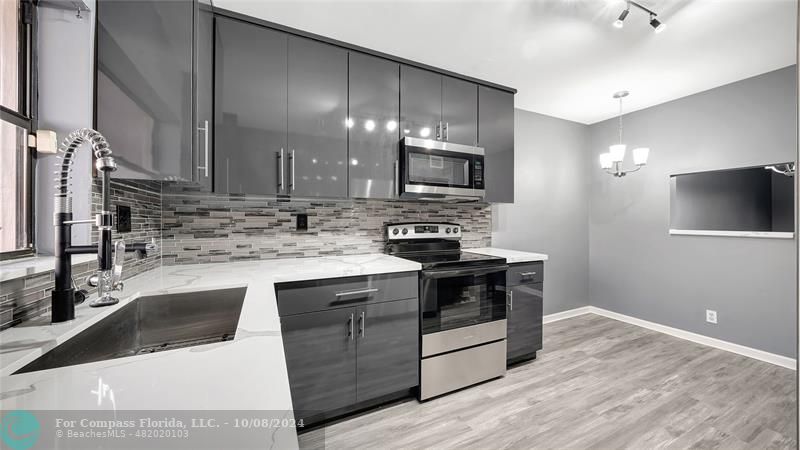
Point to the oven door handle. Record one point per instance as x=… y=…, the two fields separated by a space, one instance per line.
x=432 y=274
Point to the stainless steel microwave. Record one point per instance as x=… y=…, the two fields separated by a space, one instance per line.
x=435 y=170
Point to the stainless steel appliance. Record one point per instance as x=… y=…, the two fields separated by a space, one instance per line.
x=462 y=306
x=436 y=170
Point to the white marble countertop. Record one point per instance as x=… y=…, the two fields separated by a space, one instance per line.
x=511 y=256
x=246 y=373
x=23 y=267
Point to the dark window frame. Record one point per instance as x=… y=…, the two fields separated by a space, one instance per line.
x=27 y=112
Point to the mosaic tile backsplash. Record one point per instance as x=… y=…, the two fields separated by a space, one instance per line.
x=193 y=227
x=219 y=228
x=27 y=297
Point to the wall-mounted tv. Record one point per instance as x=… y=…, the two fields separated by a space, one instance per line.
x=750 y=201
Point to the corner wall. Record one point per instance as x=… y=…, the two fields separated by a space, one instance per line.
x=551 y=209
x=638 y=269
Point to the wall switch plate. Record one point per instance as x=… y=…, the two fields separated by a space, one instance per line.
x=123 y=219
x=302 y=222
x=711 y=316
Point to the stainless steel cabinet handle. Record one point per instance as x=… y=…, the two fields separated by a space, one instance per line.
x=446 y=131
x=204 y=129
x=527 y=274
x=360 y=291
x=397 y=179
x=362 y=324
x=350 y=328
x=280 y=170
x=439 y=131
x=292 y=181
x=511 y=300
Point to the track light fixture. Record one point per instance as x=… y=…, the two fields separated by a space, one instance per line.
x=657 y=25
x=620 y=22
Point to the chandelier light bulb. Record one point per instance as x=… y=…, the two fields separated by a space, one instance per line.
x=605 y=161
x=640 y=155
x=617 y=152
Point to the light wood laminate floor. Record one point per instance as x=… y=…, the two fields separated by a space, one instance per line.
x=599 y=383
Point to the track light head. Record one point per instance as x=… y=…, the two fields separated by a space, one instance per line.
x=657 y=25
x=620 y=22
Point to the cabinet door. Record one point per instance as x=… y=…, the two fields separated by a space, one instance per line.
x=144 y=86
x=524 y=315
x=317 y=161
x=496 y=136
x=250 y=108
x=320 y=350
x=374 y=136
x=460 y=111
x=388 y=348
x=204 y=95
x=420 y=102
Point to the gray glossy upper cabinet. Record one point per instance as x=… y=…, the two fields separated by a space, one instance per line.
x=250 y=111
x=374 y=134
x=144 y=89
x=204 y=95
x=459 y=111
x=317 y=117
x=496 y=136
x=438 y=107
x=420 y=102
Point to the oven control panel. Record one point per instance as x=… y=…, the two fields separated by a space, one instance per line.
x=402 y=231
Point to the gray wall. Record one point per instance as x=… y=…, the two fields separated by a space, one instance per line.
x=637 y=269
x=550 y=212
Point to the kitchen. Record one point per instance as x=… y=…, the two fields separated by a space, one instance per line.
x=263 y=214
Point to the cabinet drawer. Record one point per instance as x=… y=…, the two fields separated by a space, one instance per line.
x=317 y=295
x=525 y=273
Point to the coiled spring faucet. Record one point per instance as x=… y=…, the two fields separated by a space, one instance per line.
x=109 y=272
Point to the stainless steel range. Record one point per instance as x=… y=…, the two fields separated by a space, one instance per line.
x=462 y=306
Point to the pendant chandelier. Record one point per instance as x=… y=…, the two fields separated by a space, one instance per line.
x=612 y=160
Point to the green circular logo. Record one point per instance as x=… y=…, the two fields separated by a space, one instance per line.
x=20 y=430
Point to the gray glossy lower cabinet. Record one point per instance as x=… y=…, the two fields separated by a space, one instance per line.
x=321 y=360
x=388 y=355
x=524 y=319
x=350 y=354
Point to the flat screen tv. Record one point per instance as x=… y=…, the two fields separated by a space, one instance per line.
x=750 y=201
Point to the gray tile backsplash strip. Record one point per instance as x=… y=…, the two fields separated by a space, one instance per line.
x=202 y=228
x=27 y=297
x=193 y=227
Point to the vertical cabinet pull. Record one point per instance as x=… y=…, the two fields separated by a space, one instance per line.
x=511 y=300
x=204 y=129
x=447 y=131
x=362 y=324
x=397 y=179
x=280 y=170
x=350 y=327
x=292 y=180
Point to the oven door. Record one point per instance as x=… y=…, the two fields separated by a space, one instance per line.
x=455 y=298
x=438 y=169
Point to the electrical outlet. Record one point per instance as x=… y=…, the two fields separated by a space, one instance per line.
x=302 y=222
x=711 y=316
x=123 y=219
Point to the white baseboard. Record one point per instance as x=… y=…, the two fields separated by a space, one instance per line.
x=772 y=358
x=567 y=314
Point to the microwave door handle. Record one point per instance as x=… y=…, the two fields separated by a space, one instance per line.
x=429 y=274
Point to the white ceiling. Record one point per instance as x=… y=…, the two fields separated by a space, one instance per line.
x=563 y=56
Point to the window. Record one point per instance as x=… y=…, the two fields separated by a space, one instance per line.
x=17 y=121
